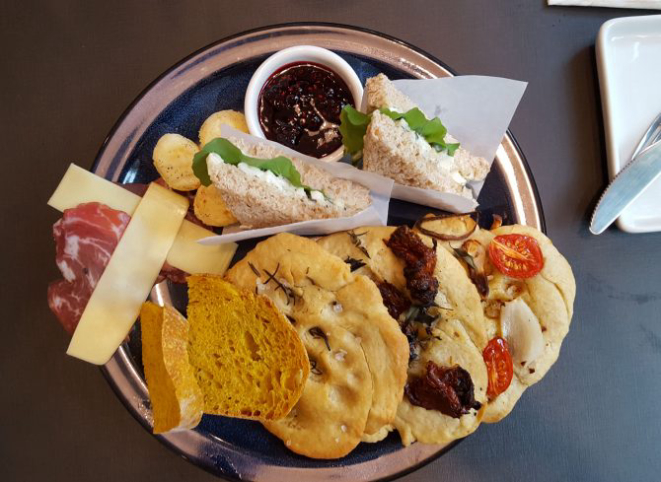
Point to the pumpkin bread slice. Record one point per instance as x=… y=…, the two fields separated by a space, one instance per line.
x=176 y=398
x=249 y=360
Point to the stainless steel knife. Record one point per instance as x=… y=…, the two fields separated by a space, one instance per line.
x=629 y=183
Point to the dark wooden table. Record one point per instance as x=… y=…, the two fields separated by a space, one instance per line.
x=69 y=68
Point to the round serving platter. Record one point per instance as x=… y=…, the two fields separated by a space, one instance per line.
x=213 y=79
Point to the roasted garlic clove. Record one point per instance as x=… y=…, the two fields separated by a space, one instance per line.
x=523 y=333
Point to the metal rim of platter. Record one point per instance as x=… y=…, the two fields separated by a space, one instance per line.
x=211 y=453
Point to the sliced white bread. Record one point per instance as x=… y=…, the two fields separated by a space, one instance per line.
x=259 y=199
x=393 y=150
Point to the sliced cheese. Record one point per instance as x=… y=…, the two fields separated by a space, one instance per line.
x=80 y=186
x=196 y=257
x=129 y=276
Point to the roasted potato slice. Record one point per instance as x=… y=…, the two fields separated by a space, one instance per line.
x=173 y=159
x=211 y=127
x=210 y=208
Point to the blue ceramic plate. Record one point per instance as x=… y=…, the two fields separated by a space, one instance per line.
x=213 y=79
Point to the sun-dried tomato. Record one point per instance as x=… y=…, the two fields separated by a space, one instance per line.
x=419 y=264
x=396 y=302
x=448 y=390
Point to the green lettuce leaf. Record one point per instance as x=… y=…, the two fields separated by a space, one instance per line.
x=433 y=131
x=230 y=154
x=452 y=148
x=354 y=124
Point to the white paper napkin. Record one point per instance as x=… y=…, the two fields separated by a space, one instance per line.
x=649 y=4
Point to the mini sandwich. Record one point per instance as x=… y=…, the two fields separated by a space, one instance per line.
x=262 y=188
x=399 y=142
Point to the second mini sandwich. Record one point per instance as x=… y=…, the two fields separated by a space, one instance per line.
x=401 y=143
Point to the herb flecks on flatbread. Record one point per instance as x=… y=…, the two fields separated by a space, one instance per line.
x=358 y=352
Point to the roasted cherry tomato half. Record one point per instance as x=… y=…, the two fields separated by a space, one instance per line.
x=500 y=368
x=516 y=255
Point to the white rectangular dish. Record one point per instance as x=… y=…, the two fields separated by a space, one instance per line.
x=649 y=4
x=629 y=65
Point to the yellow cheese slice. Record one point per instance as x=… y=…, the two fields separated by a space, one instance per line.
x=198 y=258
x=81 y=186
x=129 y=276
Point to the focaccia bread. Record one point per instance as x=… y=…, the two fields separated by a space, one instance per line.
x=538 y=310
x=450 y=347
x=456 y=335
x=341 y=320
x=261 y=199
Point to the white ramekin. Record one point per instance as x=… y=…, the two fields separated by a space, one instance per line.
x=300 y=53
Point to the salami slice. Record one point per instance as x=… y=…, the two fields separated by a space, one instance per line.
x=85 y=239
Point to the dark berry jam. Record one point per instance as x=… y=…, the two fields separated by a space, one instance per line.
x=300 y=105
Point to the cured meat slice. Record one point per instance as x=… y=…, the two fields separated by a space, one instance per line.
x=68 y=300
x=171 y=273
x=85 y=239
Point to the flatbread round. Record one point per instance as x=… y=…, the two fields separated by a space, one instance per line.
x=549 y=294
x=429 y=426
x=320 y=295
x=330 y=417
x=461 y=328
